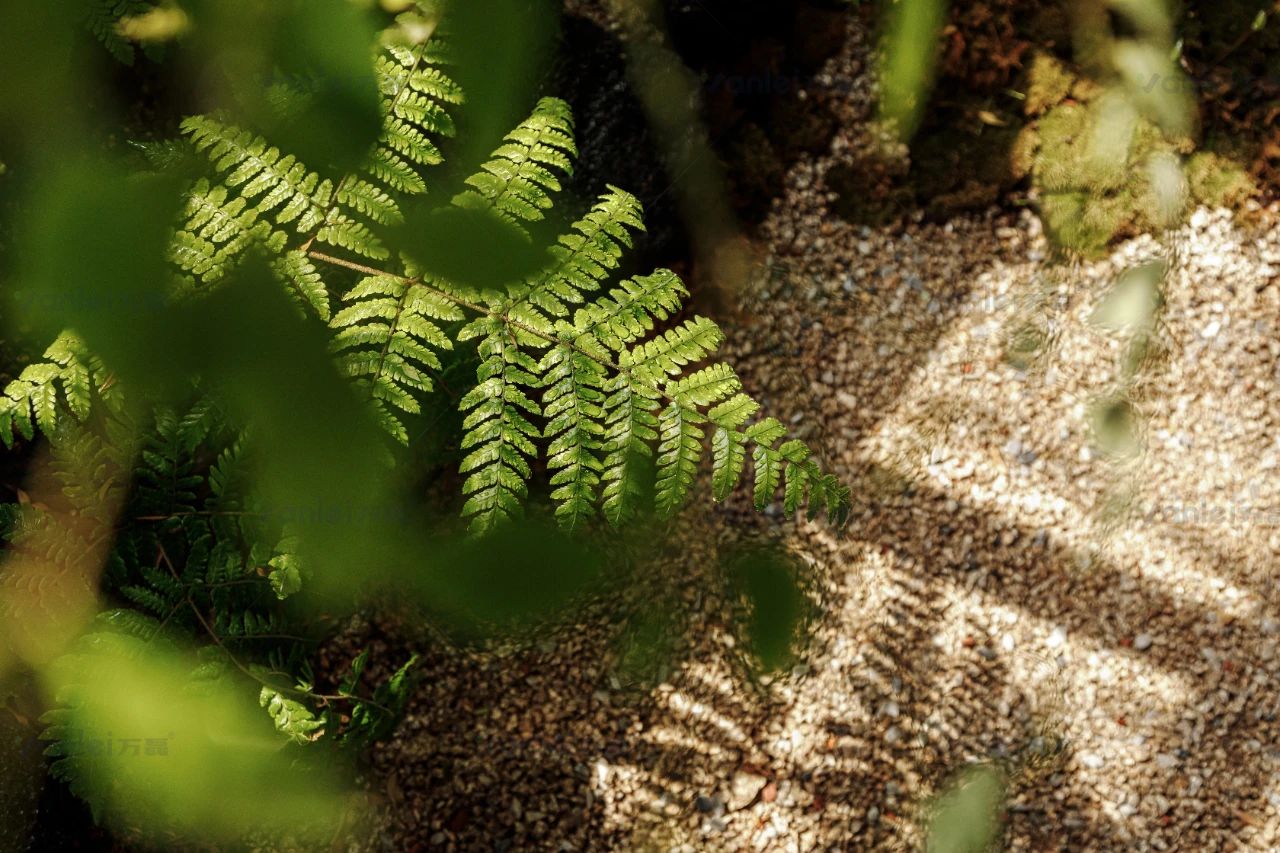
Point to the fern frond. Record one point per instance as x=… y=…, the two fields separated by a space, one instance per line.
x=518 y=181
x=67 y=380
x=218 y=228
x=413 y=98
x=728 y=447
x=167 y=481
x=303 y=281
x=630 y=310
x=387 y=342
x=681 y=432
x=499 y=434
x=102 y=18
x=668 y=353
x=297 y=722
x=414 y=94
x=678 y=452
x=630 y=426
x=572 y=404
x=582 y=258
x=260 y=171
x=92 y=470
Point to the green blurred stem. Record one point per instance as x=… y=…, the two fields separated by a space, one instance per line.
x=213 y=635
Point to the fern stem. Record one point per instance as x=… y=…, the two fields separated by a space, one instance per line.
x=205 y=512
x=217 y=641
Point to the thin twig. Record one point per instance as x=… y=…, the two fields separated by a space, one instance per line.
x=213 y=635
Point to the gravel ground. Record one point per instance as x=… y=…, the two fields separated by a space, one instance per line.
x=1103 y=628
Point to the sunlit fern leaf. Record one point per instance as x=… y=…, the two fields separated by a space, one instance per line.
x=728 y=444
x=630 y=310
x=572 y=405
x=768 y=472
x=369 y=200
x=630 y=427
x=705 y=387
x=768 y=464
x=387 y=341
x=681 y=434
x=500 y=438
x=795 y=474
x=65 y=381
x=668 y=353
x=679 y=448
x=293 y=719
x=218 y=228
x=261 y=172
x=303 y=280
x=518 y=181
x=346 y=233
x=583 y=257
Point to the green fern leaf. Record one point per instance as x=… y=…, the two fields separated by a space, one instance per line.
x=518 y=181
x=303 y=281
x=728 y=445
x=705 y=387
x=261 y=172
x=499 y=436
x=572 y=404
x=678 y=452
x=768 y=467
x=33 y=400
x=691 y=341
x=582 y=258
x=630 y=426
x=102 y=18
x=292 y=718
x=387 y=342
x=630 y=310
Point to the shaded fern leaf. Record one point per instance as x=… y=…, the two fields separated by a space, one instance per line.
x=102 y=18
x=413 y=97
